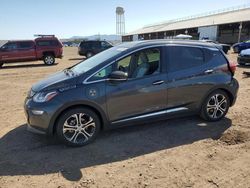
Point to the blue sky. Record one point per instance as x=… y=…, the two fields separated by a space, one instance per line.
x=20 y=19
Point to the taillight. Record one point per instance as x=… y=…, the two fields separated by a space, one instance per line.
x=232 y=66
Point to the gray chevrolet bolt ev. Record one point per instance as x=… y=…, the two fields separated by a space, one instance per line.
x=131 y=83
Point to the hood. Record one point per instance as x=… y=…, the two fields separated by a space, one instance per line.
x=55 y=81
x=245 y=52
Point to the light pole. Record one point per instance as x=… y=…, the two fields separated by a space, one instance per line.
x=240 y=28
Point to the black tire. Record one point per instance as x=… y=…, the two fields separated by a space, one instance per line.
x=78 y=135
x=89 y=54
x=1 y=65
x=212 y=111
x=49 y=59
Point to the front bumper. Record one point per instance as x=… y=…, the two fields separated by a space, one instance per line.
x=244 y=60
x=38 y=122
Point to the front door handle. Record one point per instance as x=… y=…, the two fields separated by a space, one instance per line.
x=159 y=82
x=209 y=71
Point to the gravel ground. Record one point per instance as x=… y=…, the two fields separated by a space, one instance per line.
x=185 y=152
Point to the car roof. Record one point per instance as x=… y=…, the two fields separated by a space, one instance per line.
x=166 y=41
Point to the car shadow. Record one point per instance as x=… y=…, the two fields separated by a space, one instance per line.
x=24 y=153
x=75 y=59
x=9 y=66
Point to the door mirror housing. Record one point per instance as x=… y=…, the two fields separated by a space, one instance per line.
x=118 y=76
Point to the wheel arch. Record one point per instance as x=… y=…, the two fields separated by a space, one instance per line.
x=48 y=53
x=98 y=111
x=222 y=88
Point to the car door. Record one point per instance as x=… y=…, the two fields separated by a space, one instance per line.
x=26 y=50
x=144 y=94
x=9 y=52
x=187 y=71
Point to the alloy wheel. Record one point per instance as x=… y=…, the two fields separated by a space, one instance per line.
x=217 y=106
x=79 y=128
x=49 y=60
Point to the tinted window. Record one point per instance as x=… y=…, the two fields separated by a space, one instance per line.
x=10 y=46
x=84 y=44
x=95 y=44
x=25 y=45
x=215 y=57
x=105 y=44
x=181 y=57
x=47 y=43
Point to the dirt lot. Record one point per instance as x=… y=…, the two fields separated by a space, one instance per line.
x=185 y=152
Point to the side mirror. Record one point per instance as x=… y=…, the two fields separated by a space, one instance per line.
x=118 y=76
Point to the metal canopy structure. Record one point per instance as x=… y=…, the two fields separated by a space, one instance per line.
x=225 y=16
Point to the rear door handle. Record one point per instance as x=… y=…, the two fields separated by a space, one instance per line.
x=159 y=82
x=209 y=71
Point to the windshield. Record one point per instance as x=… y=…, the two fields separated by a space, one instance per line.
x=92 y=62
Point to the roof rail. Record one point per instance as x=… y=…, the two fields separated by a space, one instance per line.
x=43 y=36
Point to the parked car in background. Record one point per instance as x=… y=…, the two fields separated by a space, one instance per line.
x=45 y=47
x=224 y=47
x=238 y=47
x=244 y=57
x=132 y=83
x=92 y=47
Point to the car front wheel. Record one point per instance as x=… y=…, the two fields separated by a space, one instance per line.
x=78 y=127
x=215 y=106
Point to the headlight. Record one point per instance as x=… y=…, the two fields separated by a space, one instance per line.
x=44 y=96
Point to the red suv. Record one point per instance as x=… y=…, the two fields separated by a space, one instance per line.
x=45 y=47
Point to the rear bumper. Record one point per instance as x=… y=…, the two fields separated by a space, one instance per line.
x=234 y=90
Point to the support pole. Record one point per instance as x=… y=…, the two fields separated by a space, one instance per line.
x=240 y=29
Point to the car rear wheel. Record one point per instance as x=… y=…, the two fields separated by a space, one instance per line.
x=78 y=127
x=49 y=59
x=215 y=106
x=89 y=54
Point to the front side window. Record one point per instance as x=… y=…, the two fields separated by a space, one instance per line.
x=137 y=65
x=182 y=57
x=10 y=46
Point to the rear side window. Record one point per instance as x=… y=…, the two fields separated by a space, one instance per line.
x=182 y=57
x=47 y=43
x=84 y=44
x=25 y=45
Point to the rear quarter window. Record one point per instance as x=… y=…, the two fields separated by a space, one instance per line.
x=215 y=57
